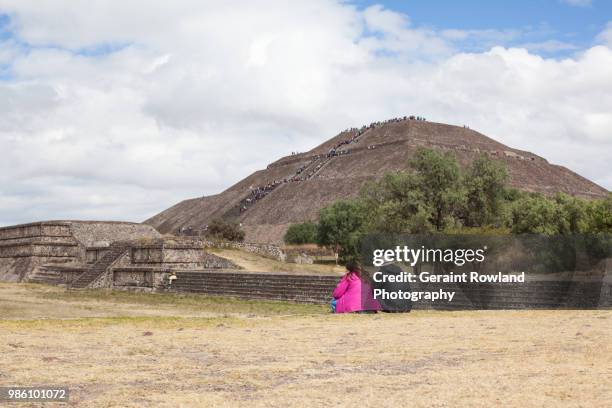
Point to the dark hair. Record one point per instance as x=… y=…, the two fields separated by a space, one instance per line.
x=353 y=268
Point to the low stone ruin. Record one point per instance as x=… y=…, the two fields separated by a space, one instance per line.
x=98 y=254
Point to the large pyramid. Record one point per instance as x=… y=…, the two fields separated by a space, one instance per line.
x=296 y=187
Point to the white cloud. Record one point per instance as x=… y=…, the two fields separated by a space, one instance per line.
x=605 y=37
x=578 y=3
x=549 y=46
x=481 y=35
x=200 y=94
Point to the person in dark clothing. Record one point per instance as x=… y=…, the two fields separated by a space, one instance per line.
x=393 y=306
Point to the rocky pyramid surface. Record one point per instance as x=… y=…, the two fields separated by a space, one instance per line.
x=294 y=188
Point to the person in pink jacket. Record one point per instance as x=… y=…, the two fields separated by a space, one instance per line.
x=352 y=294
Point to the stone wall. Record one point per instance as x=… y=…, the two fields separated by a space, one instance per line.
x=39 y=229
x=178 y=257
x=534 y=294
x=24 y=248
x=308 y=254
x=185 y=243
x=39 y=249
x=293 y=254
x=103 y=233
x=147 y=255
x=95 y=253
x=138 y=277
x=266 y=250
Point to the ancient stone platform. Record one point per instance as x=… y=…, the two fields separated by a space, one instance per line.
x=92 y=254
x=543 y=294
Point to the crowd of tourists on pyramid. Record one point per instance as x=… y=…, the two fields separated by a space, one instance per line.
x=258 y=193
x=356 y=132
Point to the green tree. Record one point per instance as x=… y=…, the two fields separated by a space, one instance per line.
x=511 y=194
x=396 y=204
x=435 y=196
x=599 y=215
x=535 y=214
x=422 y=200
x=341 y=227
x=302 y=233
x=573 y=218
x=438 y=178
x=485 y=184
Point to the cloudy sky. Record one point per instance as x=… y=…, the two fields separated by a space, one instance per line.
x=119 y=109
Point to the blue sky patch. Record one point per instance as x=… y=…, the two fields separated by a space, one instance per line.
x=550 y=27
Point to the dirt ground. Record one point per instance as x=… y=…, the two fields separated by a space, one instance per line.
x=138 y=350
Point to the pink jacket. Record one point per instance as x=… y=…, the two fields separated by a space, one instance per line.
x=348 y=295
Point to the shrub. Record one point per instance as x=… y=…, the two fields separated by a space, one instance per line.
x=341 y=227
x=226 y=230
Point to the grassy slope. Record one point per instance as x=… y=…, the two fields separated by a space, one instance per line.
x=18 y=301
x=256 y=263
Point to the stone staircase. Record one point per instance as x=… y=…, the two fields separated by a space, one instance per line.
x=46 y=276
x=296 y=288
x=97 y=269
x=320 y=166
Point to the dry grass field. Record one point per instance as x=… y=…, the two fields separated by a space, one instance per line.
x=138 y=350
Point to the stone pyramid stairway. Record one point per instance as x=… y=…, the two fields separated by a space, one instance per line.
x=320 y=166
x=296 y=288
x=46 y=276
x=99 y=268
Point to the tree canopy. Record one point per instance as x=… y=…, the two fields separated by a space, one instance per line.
x=302 y=233
x=341 y=226
x=436 y=195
